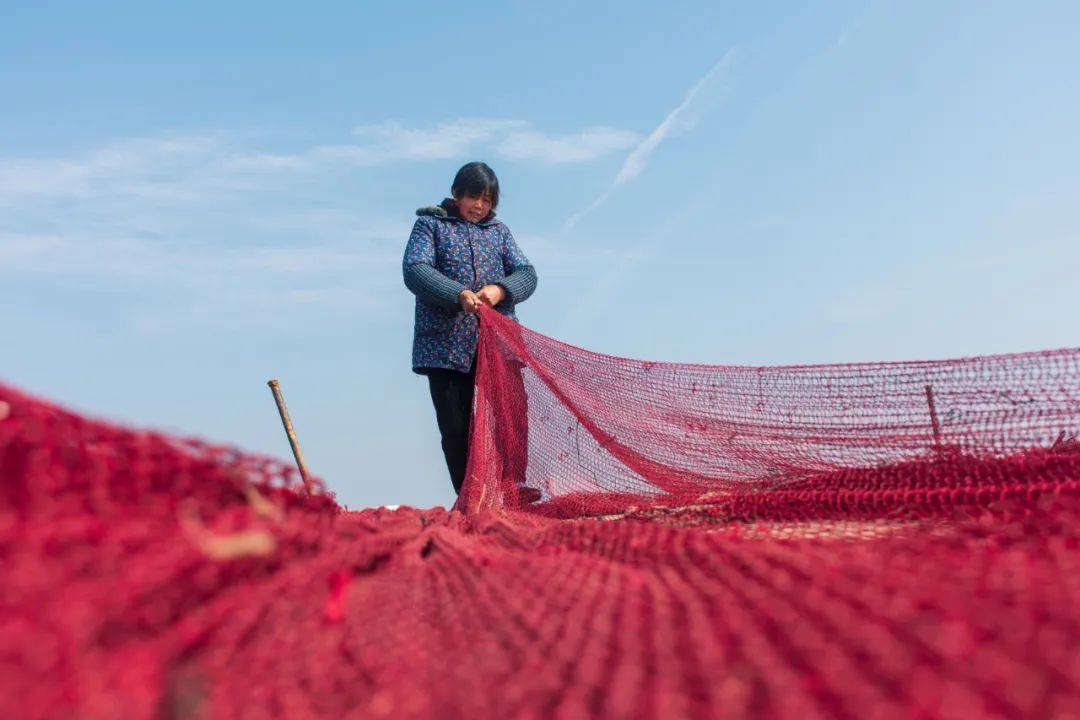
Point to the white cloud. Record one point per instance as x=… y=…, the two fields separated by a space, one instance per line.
x=389 y=142
x=265 y=162
x=446 y=140
x=177 y=169
x=582 y=146
x=208 y=217
x=16 y=249
x=186 y=262
x=141 y=166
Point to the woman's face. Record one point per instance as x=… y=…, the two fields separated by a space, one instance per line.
x=474 y=208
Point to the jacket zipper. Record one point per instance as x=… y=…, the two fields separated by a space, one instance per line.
x=472 y=255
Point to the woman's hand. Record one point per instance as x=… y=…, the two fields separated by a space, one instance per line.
x=469 y=301
x=491 y=294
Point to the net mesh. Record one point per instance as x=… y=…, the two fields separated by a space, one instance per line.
x=561 y=431
x=633 y=540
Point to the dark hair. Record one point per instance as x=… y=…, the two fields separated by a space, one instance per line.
x=476 y=178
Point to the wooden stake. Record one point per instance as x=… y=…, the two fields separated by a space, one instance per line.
x=275 y=387
x=934 y=420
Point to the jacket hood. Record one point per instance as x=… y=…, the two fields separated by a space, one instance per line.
x=447 y=210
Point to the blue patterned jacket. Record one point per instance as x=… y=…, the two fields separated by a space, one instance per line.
x=445 y=254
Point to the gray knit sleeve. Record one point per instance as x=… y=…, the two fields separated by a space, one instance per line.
x=420 y=274
x=432 y=286
x=519 y=284
x=520 y=275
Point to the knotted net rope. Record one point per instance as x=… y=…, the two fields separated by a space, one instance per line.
x=634 y=540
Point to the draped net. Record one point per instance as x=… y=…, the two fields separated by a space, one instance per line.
x=605 y=434
x=633 y=540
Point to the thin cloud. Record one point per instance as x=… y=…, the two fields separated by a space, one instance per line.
x=589 y=144
x=266 y=162
x=448 y=139
x=210 y=216
x=175 y=168
x=680 y=119
x=185 y=263
x=389 y=142
x=141 y=166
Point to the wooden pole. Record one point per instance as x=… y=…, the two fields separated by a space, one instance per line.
x=933 y=420
x=298 y=454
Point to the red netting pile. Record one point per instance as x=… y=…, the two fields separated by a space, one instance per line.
x=634 y=540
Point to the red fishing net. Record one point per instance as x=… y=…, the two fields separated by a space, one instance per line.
x=637 y=540
x=566 y=432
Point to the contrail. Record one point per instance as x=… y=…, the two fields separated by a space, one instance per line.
x=680 y=119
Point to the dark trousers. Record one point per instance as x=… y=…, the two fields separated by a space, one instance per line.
x=452 y=395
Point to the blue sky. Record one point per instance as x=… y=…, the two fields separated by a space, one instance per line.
x=194 y=200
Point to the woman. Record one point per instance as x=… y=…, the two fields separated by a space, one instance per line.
x=458 y=257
